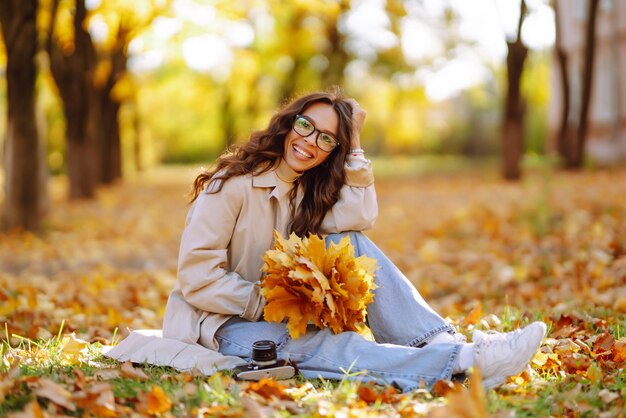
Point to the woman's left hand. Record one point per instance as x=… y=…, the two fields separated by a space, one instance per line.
x=358 y=118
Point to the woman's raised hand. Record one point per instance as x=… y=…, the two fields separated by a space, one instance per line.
x=358 y=118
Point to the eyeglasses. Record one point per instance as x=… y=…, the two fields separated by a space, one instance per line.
x=304 y=127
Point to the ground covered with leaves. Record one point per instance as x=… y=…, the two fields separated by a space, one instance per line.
x=485 y=253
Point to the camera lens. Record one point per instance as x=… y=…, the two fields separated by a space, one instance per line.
x=264 y=352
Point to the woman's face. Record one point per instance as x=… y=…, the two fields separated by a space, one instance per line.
x=302 y=153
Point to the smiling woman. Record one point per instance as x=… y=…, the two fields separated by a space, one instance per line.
x=291 y=151
x=305 y=174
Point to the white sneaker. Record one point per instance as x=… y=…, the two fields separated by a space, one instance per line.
x=500 y=355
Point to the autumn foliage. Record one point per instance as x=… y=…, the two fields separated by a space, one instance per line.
x=486 y=254
x=305 y=282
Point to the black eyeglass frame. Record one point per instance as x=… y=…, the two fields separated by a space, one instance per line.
x=317 y=137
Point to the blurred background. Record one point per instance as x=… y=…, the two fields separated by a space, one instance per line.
x=96 y=91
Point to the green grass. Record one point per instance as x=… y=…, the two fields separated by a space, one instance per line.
x=562 y=397
x=551 y=400
x=546 y=394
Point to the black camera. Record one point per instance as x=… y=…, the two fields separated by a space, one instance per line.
x=265 y=364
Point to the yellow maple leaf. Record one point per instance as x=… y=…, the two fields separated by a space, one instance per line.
x=72 y=349
x=154 y=402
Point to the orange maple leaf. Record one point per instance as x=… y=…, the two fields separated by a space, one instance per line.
x=619 y=350
x=464 y=403
x=98 y=400
x=268 y=388
x=305 y=282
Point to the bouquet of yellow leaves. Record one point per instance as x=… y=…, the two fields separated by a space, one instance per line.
x=305 y=282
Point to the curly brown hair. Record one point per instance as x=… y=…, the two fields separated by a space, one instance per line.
x=320 y=185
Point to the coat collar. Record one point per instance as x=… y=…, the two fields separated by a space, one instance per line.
x=279 y=177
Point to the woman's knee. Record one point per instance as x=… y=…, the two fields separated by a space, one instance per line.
x=336 y=237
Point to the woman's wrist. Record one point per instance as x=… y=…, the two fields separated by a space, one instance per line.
x=355 y=146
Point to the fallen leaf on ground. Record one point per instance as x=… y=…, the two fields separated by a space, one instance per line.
x=254 y=409
x=46 y=388
x=268 y=388
x=464 y=403
x=73 y=349
x=128 y=370
x=31 y=410
x=619 y=350
x=154 y=402
x=97 y=400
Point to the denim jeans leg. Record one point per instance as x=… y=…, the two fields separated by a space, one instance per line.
x=398 y=314
x=321 y=353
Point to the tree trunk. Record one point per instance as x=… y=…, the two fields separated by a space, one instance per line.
x=289 y=86
x=22 y=147
x=72 y=74
x=576 y=158
x=137 y=144
x=566 y=136
x=513 y=123
x=566 y=130
x=110 y=147
x=617 y=78
x=337 y=56
x=228 y=119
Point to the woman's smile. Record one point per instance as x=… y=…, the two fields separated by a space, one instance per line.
x=301 y=152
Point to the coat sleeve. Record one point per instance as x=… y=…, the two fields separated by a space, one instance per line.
x=203 y=258
x=357 y=208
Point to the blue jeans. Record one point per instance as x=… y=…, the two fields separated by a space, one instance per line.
x=399 y=318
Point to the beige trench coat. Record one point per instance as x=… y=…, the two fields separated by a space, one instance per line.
x=221 y=254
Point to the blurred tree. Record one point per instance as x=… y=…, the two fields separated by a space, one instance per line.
x=292 y=51
x=575 y=154
x=287 y=53
x=514 y=108
x=575 y=146
x=22 y=148
x=391 y=60
x=566 y=131
x=335 y=51
x=536 y=92
x=72 y=63
x=110 y=83
x=306 y=48
x=92 y=83
x=239 y=98
x=297 y=53
x=572 y=134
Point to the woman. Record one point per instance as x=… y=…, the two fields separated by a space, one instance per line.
x=306 y=173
